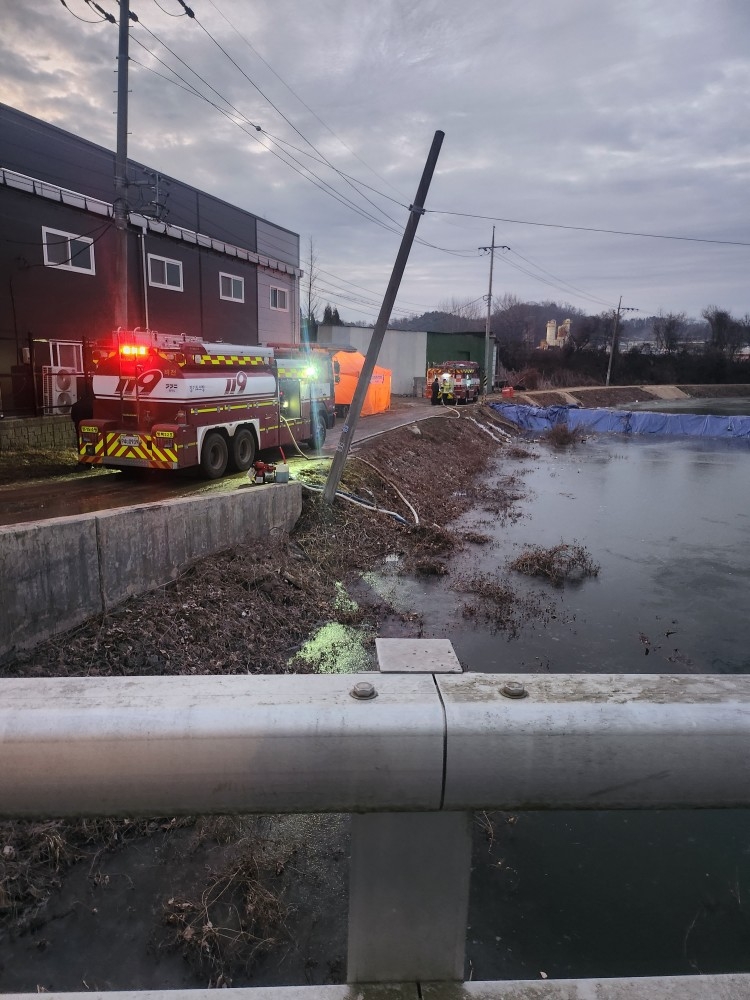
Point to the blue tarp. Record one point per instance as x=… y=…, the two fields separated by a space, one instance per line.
x=541 y=418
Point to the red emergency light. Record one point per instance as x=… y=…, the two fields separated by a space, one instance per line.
x=133 y=350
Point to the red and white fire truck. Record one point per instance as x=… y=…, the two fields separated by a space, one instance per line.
x=171 y=402
x=458 y=381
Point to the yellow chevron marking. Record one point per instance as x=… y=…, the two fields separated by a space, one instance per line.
x=228 y=359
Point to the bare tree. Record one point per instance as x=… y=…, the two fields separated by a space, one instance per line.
x=463 y=313
x=512 y=320
x=310 y=297
x=669 y=331
x=727 y=334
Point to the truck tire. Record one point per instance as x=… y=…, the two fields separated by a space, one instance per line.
x=319 y=429
x=243 y=450
x=214 y=455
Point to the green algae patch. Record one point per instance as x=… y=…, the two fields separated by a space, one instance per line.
x=342 y=601
x=336 y=649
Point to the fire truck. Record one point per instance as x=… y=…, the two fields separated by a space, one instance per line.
x=170 y=402
x=463 y=375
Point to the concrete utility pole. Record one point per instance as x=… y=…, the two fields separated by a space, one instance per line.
x=381 y=324
x=487 y=383
x=121 y=178
x=613 y=348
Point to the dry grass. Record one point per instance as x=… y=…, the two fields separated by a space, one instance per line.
x=517 y=452
x=476 y=538
x=561 y=436
x=498 y=604
x=236 y=918
x=558 y=564
x=34 y=857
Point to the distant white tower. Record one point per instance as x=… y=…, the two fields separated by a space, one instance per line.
x=552 y=333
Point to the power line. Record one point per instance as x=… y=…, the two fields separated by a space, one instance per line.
x=79 y=18
x=303 y=171
x=304 y=138
x=311 y=110
x=553 y=284
x=278 y=110
x=588 y=229
x=562 y=281
x=418 y=305
x=169 y=13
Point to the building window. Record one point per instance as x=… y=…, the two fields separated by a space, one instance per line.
x=278 y=299
x=165 y=273
x=231 y=287
x=68 y=251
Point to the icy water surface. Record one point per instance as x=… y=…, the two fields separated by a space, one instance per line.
x=613 y=893
x=667 y=521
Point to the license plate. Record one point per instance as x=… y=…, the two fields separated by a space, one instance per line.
x=129 y=440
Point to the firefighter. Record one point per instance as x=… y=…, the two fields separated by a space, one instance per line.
x=447 y=390
x=435 y=391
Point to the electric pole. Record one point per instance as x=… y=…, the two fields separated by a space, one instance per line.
x=489 y=384
x=381 y=324
x=615 y=328
x=121 y=167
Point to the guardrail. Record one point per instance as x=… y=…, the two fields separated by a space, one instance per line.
x=411 y=755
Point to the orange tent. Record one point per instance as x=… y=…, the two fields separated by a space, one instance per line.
x=378 y=396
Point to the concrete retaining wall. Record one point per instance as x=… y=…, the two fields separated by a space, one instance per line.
x=37 y=432
x=55 y=574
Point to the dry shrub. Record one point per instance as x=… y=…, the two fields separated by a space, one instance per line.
x=476 y=538
x=530 y=378
x=429 y=567
x=557 y=564
x=561 y=436
x=498 y=603
x=235 y=917
x=34 y=856
x=517 y=452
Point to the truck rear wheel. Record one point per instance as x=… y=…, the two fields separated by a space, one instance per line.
x=243 y=450
x=319 y=429
x=214 y=456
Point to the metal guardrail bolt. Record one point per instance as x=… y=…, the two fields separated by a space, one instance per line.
x=363 y=691
x=513 y=689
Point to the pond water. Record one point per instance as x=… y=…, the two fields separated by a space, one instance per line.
x=668 y=523
x=721 y=406
x=612 y=893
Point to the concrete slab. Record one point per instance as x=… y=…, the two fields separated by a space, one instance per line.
x=369 y=991
x=665 y=391
x=729 y=987
x=417 y=656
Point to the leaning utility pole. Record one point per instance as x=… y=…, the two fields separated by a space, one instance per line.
x=381 y=324
x=613 y=348
x=489 y=383
x=121 y=178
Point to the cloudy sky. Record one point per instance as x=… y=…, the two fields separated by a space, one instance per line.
x=629 y=115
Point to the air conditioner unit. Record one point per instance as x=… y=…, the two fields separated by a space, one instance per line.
x=60 y=389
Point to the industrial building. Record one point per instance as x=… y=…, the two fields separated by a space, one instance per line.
x=196 y=264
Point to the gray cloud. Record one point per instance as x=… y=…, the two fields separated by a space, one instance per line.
x=627 y=115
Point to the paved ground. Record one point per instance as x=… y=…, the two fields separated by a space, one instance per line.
x=404 y=410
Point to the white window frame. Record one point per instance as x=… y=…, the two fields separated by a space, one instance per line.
x=165 y=261
x=285 y=293
x=69 y=265
x=232 y=278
